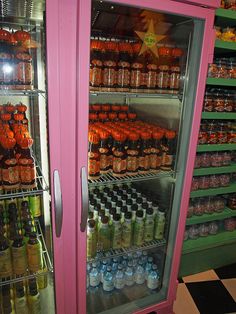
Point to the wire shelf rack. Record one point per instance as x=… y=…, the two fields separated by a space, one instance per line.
x=135 y=95
x=48 y=267
x=124 y=251
x=15 y=92
x=41 y=187
x=108 y=178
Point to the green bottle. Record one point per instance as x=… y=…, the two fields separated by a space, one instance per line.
x=149 y=226
x=160 y=225
x=127 y=231
x=19 y=257
x=5 y=258
x=34 y=253
x=139 y=228
x=116 y=232
x=104 y=234
x=91 y=239
x=35 y=205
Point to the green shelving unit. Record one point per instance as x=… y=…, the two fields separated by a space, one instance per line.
x=226 y=14
x=226 y=213
x=214 y=170
x=219 y=115
x=215 y=147
x=217 y=191
x=224 y=45
x=221 y=81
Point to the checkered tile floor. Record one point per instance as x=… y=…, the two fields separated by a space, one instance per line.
x=210 y=292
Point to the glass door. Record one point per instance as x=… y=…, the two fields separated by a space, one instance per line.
x=26 y=265
x=144 y=66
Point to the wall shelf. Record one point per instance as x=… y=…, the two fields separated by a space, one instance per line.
x=214 y=170
x=226 y=213
x=208 y=192
x=225 y=45
x=219 y=115
x=226 y=14
x=221 y=81
x=215 y=147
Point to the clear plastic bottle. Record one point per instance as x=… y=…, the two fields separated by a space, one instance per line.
x=94 y=276
x=103 y=269
x=119 y=281
x=149 y=226
x=127 y=231
x=153 y=278
x=140 y=274
x=114 y=265
x=116 y=232
x=129 y=274
x=34 y=297
x=148 y=266
x=108 y=280
x=160 y=225
x=91 y=239
x=139 y=228
x=104 y=234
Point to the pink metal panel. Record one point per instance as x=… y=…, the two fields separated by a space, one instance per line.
x=205 y=3
x=61 y=77
x=83 y=33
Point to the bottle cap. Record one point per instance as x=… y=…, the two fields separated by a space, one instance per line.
x=128 y=215
x=103 y=200
x=91 y=223
x=90 y=215
x=122 y=115
x=103 y=134
x=139 y=214
x=170 y=134
x=145 y=205
x=133 y=136
x=101 y=213
x=98 y=207
x=93 y=116
x=104 y=219
x=157 y=135
x=149 y=211
x=106 y=107
x=102 y=116
x=114 y=198
x=92 y=202
x=139 y=200
x=120 y=192
x=109 y=268
x=129 y=202
x=119 y=137
x=112 y=115
x=124 y=209
x=112 y=211
x=129 y=191
x=96 y=107
x=124 y=197
x=116 y=217
x=132 y=116
x=119 y=204
x=134 y=207
x=108 y=205
x=145 y=135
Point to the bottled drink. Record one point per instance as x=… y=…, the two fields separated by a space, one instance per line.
x=123 y=212
x=149 y=226
x=133 y=154
x=21 y=305
x=153 y=278
x=114 y=266
x=160 y=225
x=94 y=277
x=140 y=274
x=23 y=74
x=103 y=269
x=148 y=266
x=7 y=302
x=5 y=258
x=35 y=205
x=27 y=170
x=10 y=171
x=19 y=258
x=96 y=62
x=119 y=281
x=129 y=275
x=123 y=67
x=34 y=253
x=116 y=232
x=104 y=234
x=168 y=150
x=137 y=79
x=134 y=209
x=34 y=298
x=144 y=257
x=119 y=155
x=156 y=152
x=110 y=67
x=93 y=156
x=145 y=150
x=129 y=204
x=118 y=207
x=139 y=228
x=127 y=231
x=108 y=280
x=104 y=151
x=91 y=239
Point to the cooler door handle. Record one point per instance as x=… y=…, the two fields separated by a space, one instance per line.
x=58 y=203
x=84 y=198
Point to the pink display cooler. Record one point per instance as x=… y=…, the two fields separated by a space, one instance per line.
x=114 y=92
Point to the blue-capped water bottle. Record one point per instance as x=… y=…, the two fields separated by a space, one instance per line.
x=103 y=269
x=140 y=274
x=148 y=266
x=153 y=278
x=94 y=276
x=119 y=281
x=124 y=261
x=108 y=280
x=114 y=266
x=129 y=274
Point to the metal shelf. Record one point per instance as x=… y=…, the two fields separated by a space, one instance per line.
x=207 y=192
x=15 y=92
x=48 y=267
x=110 y=179
x=221 y=81
x=226 y=213
x=215 y=147
x=124 y=251
x=219 y=115
x=41 y=187
x=214 y=170
x=135 y=95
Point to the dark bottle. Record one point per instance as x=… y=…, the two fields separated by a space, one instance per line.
x=93 y=156
x=10 y=172
x=105 y=152
x=96 y=64
x=133 y=153
x=156 y=152
x=5 y=258
x=151 y=73
x=168 y=150
x=7 y=303
x=145 y=150
x=23 y=74
x=137 y=79
x=110 y=66
x=27 y=169
x=119 y=155
x=123 y=67
x=19 y=258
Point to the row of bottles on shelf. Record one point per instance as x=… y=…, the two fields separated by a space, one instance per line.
x=219 y=100
x=122 y=217
x=20 y=247
x=119 y=66
x=225 y=33
x=217 y=132
x=228 y=4
x=21 y=298
x=128 y=146
x=211 y=228
x=223 y=68
x=214 y=159
x=17 y=165
x=212 y=181
x=124 y=271
x=16 y=70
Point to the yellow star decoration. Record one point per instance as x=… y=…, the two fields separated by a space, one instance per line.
x=150 y=39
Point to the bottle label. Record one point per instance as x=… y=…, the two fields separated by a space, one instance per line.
x=119 y=283
x=21 y=305
x=116 y=239
x=132 y=161
x=35 y=206
x=138 y=234
x=108 y=285
x=11 y=175
x=148 y=230
x=144 y=162
x=119 y=165
x=136 y=75
x=123 y=77
x=140 y=278
x=126 y=235
x=27 y=174
x=5 y=263
x=151 y=79
x=104 y=162
x=24 y=73
x=174 y=80
x=159 y=232
x=35 y=260
x=94 y=281
x=163 y=79
x=167 y=160
x=109 y=75
x=95 y=76
x=19 y=260
x=152 y=283
x=91 y=244
x=93 y=166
